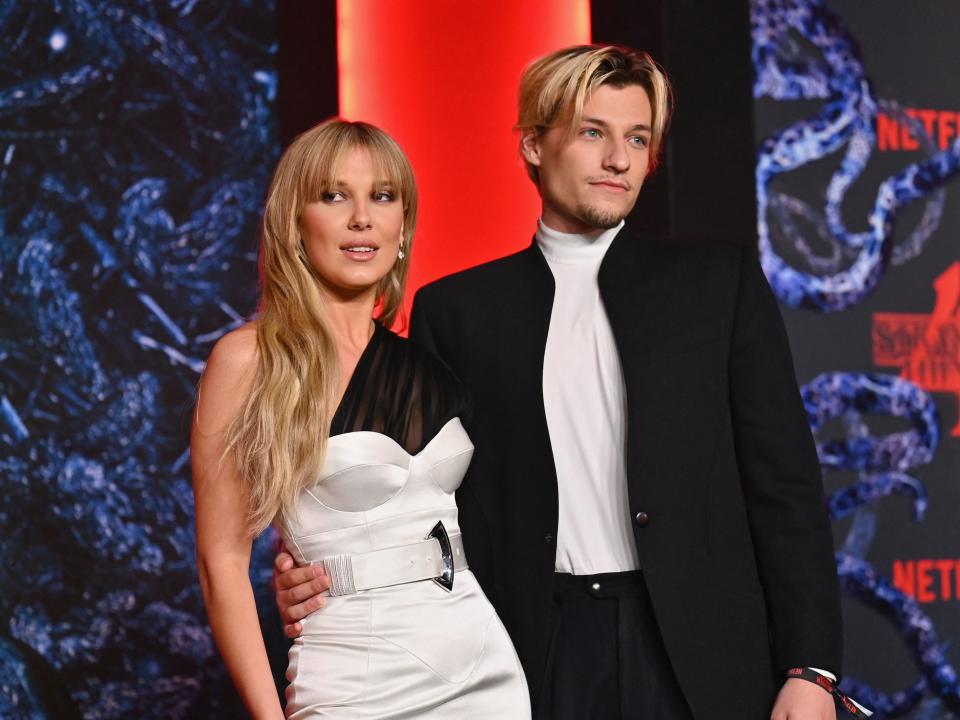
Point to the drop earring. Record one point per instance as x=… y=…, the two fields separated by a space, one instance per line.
x=400 y=252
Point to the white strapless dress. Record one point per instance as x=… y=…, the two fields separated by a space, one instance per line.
x=406 y=651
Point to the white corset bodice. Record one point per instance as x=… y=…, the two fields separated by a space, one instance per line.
x=373 y=494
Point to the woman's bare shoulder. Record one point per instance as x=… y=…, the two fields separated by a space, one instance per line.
x=229 y=375
x=237 y=349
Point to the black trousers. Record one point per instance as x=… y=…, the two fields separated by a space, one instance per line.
x=606 y=657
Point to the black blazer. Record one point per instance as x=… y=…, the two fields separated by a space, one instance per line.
x=724 y=483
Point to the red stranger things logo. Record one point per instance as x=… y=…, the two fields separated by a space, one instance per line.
x=942 y=126
x=926 y=348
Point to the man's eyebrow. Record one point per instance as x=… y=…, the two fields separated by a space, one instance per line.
x=604 y=124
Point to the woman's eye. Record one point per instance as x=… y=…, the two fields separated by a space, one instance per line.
x=332 y=196
x=383 y=196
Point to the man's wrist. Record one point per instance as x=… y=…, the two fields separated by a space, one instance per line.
x=811 y=675
x=826 y=673
x=821 y=678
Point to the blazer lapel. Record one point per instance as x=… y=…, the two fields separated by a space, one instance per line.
x=652 y=309
x=527 y=300
x=533 y=316
x=526 y=304
x=647 y=296
x=636 y=294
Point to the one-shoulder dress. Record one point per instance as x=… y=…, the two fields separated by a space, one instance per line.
x=382 y=506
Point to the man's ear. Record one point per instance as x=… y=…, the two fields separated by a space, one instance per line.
x=530 y=146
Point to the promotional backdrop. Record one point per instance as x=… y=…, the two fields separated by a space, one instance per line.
x=136 y=142
x=857 y=123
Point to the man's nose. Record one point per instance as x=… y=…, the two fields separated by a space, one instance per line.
x=616 y=158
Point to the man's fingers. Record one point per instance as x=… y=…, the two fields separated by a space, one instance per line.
x=298 y=576
x=299 y=611
x=283 y=562
x=293 y=631
x=299 y=593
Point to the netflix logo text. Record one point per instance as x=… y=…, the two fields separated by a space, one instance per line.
x=928 y=580
x=942 y=126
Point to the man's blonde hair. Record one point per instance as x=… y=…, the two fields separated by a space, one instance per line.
x=554 y=89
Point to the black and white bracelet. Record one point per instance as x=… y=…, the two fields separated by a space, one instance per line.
x=847 y=703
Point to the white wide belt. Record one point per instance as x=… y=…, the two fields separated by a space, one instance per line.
x=423 y=560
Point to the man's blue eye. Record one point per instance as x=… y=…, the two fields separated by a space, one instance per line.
x=591 y=132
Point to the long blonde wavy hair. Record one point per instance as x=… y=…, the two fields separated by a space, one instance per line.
x=279 y=437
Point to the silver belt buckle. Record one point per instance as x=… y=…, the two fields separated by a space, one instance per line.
x=445 y=578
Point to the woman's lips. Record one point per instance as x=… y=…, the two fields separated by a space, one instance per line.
x=360 y=253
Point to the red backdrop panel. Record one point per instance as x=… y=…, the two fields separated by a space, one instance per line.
x=442 y=79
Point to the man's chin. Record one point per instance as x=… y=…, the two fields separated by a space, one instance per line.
x=602 y=218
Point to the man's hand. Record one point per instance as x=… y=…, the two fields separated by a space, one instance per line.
x=298 y=591
x=802 y=700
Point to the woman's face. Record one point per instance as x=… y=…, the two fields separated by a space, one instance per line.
x=352 y=234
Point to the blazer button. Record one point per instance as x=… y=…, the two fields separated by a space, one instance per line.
x=642 y=519
x=548 y=538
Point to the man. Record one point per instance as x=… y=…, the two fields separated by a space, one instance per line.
x=644 y=507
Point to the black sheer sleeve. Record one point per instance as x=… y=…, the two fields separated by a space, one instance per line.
x=402 y=391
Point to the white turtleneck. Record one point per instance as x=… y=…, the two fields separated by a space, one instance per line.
x=585 y=402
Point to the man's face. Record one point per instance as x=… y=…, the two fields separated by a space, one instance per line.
x=591 y=181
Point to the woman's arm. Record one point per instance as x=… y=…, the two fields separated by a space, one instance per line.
x=223 y=539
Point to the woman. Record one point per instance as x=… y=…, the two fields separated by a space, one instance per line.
x=317 y=418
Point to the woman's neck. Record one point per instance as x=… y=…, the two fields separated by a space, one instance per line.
x=351 y=320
